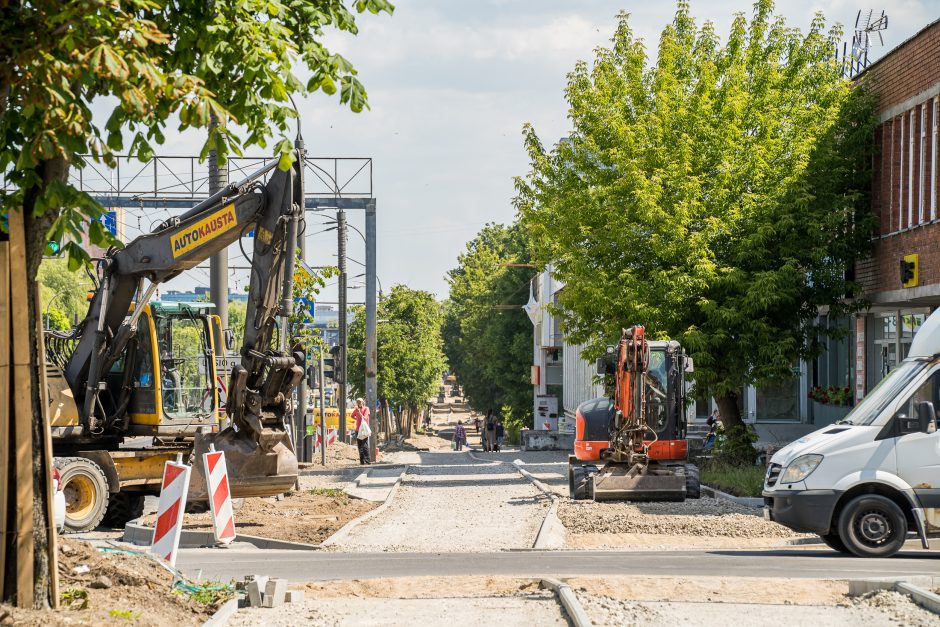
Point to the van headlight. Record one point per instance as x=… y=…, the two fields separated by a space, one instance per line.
x=800 y=468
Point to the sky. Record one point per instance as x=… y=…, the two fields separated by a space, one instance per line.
x=451 y=84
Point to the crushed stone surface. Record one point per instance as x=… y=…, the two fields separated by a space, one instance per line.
x=453 y=503
x=881 y=609
x=539 y=608
x=705 y=517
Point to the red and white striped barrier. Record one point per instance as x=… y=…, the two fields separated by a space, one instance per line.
x=175 y=487
x=220 y=496
x=330 y=438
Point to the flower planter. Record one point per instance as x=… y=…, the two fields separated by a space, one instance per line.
x=823 y=415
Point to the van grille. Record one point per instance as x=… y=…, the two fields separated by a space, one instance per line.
x=773 y=473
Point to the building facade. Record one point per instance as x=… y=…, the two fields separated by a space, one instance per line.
x=902 y=277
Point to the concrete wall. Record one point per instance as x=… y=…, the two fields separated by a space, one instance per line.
x=578 y=378
x=538 y=440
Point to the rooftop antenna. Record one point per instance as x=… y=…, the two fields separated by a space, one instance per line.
x=867 y=34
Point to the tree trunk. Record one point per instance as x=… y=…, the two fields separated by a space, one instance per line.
x=37 y=228
x=728 y=408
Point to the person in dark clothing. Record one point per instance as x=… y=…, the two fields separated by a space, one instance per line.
x=490 y=427
x=500 y=432
x=460 y=436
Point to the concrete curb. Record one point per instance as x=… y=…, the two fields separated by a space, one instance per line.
x=552 y=533
x=905 y=585
x=924 y=598
x=746 y=501
x=223 y=614
x=142 y=535
x=344 y=531
x=569 y=601
x=805 y=542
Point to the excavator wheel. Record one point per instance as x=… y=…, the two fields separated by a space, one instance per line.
x=123 y=507
x=86 y=493
x=693 y=487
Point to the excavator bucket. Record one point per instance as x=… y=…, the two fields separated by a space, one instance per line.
x=621 y=482
x=262 y=468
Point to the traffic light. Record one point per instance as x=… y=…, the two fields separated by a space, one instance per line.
x=909 y=272
x=328 y=371
x=338 y=375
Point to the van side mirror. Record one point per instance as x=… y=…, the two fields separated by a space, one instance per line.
x=229 y=337
x=926 y=417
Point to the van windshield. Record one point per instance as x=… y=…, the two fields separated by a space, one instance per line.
x=875 y=402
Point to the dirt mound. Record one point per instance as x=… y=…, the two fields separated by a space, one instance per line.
x=118 y=588
x=309 y=516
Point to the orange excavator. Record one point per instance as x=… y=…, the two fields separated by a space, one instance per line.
x=632 y=446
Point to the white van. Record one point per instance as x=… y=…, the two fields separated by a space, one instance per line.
x=864 y=482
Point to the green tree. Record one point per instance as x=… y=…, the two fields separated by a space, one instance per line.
x=487 y=335
x=718 y=196
x=64 y=294
x=410 y=351
x=232 y=61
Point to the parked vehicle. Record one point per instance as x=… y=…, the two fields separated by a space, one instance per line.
x=868 y=480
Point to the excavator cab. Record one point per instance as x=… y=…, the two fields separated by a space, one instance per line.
x=594 y=471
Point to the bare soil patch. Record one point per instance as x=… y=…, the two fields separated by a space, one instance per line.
x=309 y=516
x=421 y=587
x=714 y=589
x=119 y=588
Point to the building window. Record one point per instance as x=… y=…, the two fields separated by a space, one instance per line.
x=890 y=195
x=901 y=177
x=921 y=215
x=933 y=163
x=910 y=169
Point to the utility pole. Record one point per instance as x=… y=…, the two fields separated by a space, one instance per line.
x=218 y=263
x=371 y=343
x=341 y=358
x=322 y=379
x=300 y=412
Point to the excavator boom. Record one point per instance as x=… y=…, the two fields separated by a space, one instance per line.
x=261 y=458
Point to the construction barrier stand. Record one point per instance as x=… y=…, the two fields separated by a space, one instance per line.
x=173 y=492
x=220 y=496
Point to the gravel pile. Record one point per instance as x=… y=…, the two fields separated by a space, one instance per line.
x=451 y=503
x=699 y=517
x=899 y=607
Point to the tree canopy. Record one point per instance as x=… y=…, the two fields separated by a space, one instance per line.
x=487 y=335
x=154 y=62
x=408 y=339
x=717 y=196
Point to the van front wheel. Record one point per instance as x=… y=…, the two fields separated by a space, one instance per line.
x=871 y=525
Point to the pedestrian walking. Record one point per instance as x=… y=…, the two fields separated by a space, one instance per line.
x=363 y=431
x=490 y=427
x=500 y=432
x=460 y=436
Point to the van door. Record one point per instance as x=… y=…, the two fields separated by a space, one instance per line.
x=918 y=445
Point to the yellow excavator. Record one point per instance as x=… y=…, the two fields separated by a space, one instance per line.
x=135 y=383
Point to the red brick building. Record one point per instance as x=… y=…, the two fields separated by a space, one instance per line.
x=906 y=200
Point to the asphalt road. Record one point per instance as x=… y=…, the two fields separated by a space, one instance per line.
x=302 y=566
